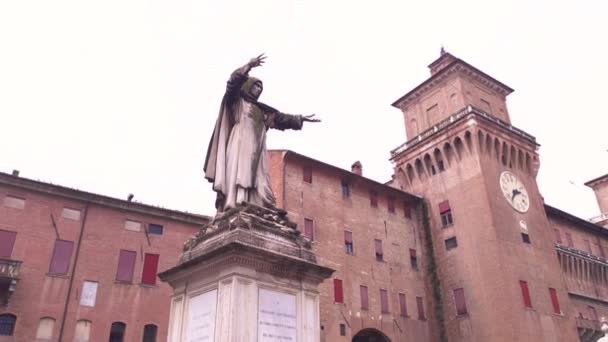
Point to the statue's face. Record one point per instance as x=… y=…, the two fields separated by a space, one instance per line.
x=256 y=89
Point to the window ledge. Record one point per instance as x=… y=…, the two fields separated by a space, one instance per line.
x=466 y=315
x=148 y=285
x=58 y=275
x=123 y=282
x=448 y=226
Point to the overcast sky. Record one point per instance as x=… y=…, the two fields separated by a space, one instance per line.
x=119 y=97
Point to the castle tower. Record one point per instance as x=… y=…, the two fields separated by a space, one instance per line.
x=499 y=276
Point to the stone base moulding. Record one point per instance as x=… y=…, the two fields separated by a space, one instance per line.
x=248 y=276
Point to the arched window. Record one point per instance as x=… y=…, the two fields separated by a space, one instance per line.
x=117 y=332
x=150 y=333
x=7 y=324
x=82 y=331
x=45 y=329
x=513 y=156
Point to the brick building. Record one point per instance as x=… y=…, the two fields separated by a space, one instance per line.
x=475 y=255
x=77 y=266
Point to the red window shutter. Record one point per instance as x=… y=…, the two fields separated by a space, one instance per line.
x=420 y=305
x=348 y=237
x=569 y=240
x=525 y=293
x=592 y=313
x=553 y=295
x=391 y=205
x=62 y=254
x=558 y=236
x=338 y=295
x=407 y=211
x=307 y=174
x=364 y=301
x=444 y=207
x=150 y=269
x=461 y=306
x=384 y=301
x=308 y=229
x=373 y=198
x=402 y=305
x=126 y=263
x=7 y=241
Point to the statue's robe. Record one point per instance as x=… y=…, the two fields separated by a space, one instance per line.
x=236 y=161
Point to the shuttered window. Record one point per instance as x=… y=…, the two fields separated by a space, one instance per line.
x=373 y=199
x=378 y=248
x=461 y=306
x=126 y=264
x=592 y=313
x=338 y=295
x=402 y=305
x=62 y=254
x=413 y=259
x=150 y=268
x=445 y=212
x=364 y=299
x=420 y=305
x=588 y=246
x=554 y=301
x=525 y=293
x=391 y=204
x=307 y=174
x=384 y=301
x=348 y=242
x=407 y=211
x=7 y=241
x=309 y=229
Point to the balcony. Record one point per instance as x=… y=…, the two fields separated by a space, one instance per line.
x=9 y=276
x=588 y=330
x=441 y=125
x=599 y=219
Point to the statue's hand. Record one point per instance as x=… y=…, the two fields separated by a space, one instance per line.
x=311 y=118
x=256 y=61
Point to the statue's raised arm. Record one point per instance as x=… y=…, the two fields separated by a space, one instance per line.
x=236 y=161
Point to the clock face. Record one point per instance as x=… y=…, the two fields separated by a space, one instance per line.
x=514 y=191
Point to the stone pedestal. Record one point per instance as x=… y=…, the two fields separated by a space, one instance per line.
x=248 y=276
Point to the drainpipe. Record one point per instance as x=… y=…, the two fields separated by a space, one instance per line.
x=67 y=300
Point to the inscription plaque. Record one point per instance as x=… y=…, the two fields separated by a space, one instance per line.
x=201 y=317
x=277 y=320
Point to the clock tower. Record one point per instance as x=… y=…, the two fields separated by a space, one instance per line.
x=494 y=254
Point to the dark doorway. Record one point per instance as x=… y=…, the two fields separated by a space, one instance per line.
x=370 y=335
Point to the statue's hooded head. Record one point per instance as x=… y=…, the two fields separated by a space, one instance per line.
x=252 y=88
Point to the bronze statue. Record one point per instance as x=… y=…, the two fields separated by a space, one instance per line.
x=236 y=161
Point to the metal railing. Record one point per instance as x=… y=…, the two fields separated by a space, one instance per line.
x=453 y=118
x=9 y=268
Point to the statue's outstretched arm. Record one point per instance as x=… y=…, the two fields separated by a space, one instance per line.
x=239 y=76
x=284 y=121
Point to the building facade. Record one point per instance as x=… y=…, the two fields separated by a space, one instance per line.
x=474 y=255
x=76 y=266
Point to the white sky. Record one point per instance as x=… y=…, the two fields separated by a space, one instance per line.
x=121 y=96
